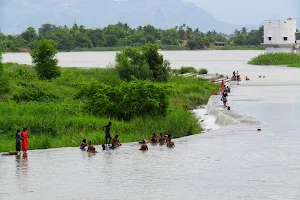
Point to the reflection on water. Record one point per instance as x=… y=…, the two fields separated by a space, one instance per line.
x=233 y=162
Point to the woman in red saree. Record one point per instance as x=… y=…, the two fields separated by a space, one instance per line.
x=24 y=140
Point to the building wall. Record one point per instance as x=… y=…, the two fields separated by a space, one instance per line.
x=278 y=29
x=279 y=50
x=298 y=51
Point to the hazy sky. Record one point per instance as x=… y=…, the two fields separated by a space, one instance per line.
x=250 y=11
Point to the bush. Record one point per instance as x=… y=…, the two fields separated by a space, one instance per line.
x=184 y=70
x=276 y=59
x=203 y=71
x=134 y=99
x=142 y=64
x=294 y=65
x=32 y=92
x=4 y=82
x=44 y=59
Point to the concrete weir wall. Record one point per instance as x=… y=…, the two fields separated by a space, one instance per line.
x=226 y=117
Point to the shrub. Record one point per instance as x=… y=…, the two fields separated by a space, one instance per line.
x=134 y=99
x=32 y=92
x=44 y=59
x=295 y=65
x=184 y=70
x=142 y=64
x=203 y=71
x=4 y=84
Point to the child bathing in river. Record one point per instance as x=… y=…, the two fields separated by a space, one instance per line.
x=170 y=144
x=91 y=148
x=144 y=147
x=115 y=142
x=83 y=144
x=162 y=139
x=154 y=139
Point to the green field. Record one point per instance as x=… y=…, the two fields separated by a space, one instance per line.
x=55 y=117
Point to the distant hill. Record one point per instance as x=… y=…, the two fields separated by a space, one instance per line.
x=17 y=15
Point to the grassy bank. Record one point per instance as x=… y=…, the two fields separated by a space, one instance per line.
x=162 y=47
x=289 y=59
x=59 y=119
x=231 y=47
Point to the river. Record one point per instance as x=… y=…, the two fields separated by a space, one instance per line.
x=233 y=162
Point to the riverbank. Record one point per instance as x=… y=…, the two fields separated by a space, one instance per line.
x=233 y=47
x=175 y=48
x=56 y=118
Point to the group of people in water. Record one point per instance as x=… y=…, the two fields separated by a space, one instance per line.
x=113 y=143
x=236 y=76
x=161 y=140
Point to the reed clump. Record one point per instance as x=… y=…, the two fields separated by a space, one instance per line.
x=287 y=59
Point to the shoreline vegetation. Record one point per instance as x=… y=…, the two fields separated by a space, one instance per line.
x=115 y=37
x=61 y=111
x=286 y=59
x=162 y=48
x=173 y=48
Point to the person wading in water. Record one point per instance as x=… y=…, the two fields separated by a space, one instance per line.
x=107 y=133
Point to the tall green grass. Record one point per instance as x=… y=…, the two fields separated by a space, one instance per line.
x=294 y=65
x=290 y=59
x=64 y=121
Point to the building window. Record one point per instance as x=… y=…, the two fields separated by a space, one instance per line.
x=285 y=38
x=270 y=38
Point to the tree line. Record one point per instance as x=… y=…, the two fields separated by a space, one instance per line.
x=121 y=35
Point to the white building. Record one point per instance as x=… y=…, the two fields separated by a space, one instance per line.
x=280 y=36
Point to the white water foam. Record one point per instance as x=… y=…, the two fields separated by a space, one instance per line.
x=207 y=121
x=226 y=117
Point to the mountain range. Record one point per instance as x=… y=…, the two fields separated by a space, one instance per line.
x=17 y=15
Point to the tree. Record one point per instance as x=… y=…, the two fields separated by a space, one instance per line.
x=198 y=43
x=156 y=62
x=63 y=37
x=181 y=33
x=29 y=34
x=144 y=63
x=97 y=37
x=44 y=59
x=46 y=28
x=131 y=64
x=111 y=41
x=170 y=37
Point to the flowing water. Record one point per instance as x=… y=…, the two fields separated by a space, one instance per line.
x=231 y=161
